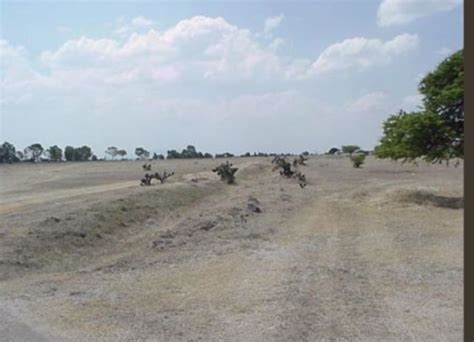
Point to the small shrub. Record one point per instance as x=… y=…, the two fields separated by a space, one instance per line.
x=162 y=177
x=358 y=160
x=146 y=167
x=226 y=172
x=146 y=180
x=301 y=179
x=301 y=160
x=284 y=166
x=286 y=171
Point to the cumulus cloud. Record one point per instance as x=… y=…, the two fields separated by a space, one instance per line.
x=369 y=102
x=398 y=12
x=147 y=75
x=272 y=23
x=199 y=47
x=125 y=26
x=14 y=63
x=205 y=49
x=142 y=22
x=361 y=53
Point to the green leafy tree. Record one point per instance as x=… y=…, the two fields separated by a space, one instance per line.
x=435 y=133
x=122 y=153
x=142 y=153
x=34 y=152
x=82 y=153
x=190 y=152
x=20 y=155
x=173 y=154
x=443 y=91
x=350 y=149
x=157 y=156
x=69 y=153
x=55 y=153
x=8 y=153
x=112 y=151
x=408 y=136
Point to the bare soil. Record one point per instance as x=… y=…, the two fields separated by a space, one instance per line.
x=368 y=254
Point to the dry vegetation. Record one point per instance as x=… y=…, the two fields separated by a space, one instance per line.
x=372 y=254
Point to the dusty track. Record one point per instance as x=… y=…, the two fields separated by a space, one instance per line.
x=370 y=254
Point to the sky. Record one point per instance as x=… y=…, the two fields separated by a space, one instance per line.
x=228 y=76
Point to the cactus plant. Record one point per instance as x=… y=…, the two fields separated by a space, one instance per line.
x=226 y=172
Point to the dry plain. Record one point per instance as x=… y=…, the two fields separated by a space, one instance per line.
x=368 y=254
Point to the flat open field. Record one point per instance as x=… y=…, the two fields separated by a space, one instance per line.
x=368 y=254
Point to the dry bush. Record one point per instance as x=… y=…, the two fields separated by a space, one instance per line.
x=301 y=160
x=286 y=171
x=226 y=172
x=146 y=180
x=162 y=177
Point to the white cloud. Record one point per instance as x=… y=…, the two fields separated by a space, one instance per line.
x=197 y=48
x=94 y=81
x=361 y=53
x=272 y=23
x=203 y=49
x=124 y=26
x=14 y=64
x=369 y=102
x=142 y=22
x=398 y=12
x=276 y=43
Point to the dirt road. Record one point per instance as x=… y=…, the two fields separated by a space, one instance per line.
x=359 y=255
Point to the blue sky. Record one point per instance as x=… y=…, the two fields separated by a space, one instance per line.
x=224 y=76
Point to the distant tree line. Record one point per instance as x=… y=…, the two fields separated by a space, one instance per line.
x=187 y=153
x=36 y=152
x=262 y=154
x=347 y=149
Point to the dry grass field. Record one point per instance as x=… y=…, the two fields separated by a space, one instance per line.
x=368 y=254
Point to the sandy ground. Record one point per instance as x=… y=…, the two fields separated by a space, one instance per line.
x=364 y=254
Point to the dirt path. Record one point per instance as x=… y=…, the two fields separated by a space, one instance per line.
x=339 y=260
x=15 y=203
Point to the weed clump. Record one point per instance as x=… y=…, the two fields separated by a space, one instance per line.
x=301 y=160
x=226 y=172
x=285 y=169
x=162 y=177
x=146 y=180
